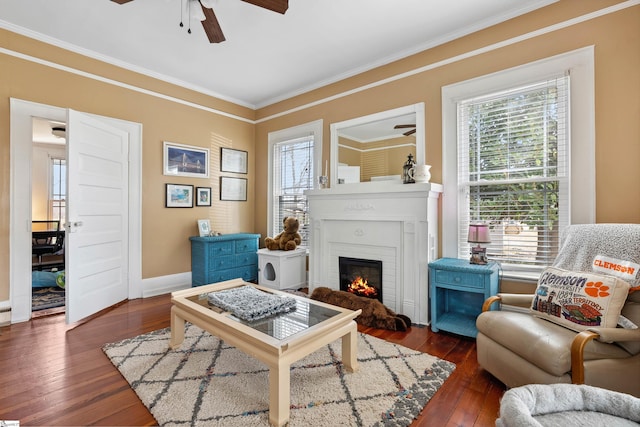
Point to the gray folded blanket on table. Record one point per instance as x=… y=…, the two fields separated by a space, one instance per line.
x=249 y=303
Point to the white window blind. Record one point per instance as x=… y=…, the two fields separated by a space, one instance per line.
x=513 y=172
x=292 y=174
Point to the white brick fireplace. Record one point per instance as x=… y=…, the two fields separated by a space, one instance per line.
x=387 y=221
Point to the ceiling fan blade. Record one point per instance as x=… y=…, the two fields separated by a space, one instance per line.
x=121 y=1
x=411 y=132
x=403 y=126
x=279 y=6
x=211 y=26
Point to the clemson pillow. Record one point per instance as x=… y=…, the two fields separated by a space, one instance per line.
x=579 y=300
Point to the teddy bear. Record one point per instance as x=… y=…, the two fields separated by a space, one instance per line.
x=288 y=240
x=374 y=313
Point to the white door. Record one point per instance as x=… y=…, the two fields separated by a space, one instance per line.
x=97 y=215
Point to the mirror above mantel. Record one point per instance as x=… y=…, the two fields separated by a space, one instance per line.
x=375 y=147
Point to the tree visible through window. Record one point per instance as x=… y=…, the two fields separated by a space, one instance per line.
x=513 y=171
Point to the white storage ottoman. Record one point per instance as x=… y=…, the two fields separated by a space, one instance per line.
x=282 y=269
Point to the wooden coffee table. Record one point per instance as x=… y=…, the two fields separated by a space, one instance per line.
x=277 y=341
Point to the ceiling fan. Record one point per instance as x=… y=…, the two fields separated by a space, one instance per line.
x=409 y=132
x=210 y=22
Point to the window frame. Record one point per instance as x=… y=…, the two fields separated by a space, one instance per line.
x=62 y=203
x=581 y=137
x=313 y=129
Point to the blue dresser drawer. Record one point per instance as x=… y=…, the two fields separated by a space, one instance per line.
x=222 y=275
x=246 y=259
x=246 y=245
x=222 y=263
x=458 y=278
x=220 y=249
x=245 y=273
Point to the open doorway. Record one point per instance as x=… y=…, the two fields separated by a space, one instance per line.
x=129 y=138
x=48 y=212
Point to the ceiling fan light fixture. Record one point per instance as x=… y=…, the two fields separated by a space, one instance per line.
x=202 y=10
x=194 y=10
x=59 y=131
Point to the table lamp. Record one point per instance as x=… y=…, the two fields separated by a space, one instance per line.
x=478 y=233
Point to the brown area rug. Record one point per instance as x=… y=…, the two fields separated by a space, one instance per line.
x=209 y=383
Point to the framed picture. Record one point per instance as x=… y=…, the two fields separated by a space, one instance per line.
x=179 y=196
x=233 y=160
x=204 y=227
x=185 y=160
x=203 y=196
x=233 y=188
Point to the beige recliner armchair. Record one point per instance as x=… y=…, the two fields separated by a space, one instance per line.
x=519 y=348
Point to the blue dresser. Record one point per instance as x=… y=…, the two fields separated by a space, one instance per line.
x=219 y=258
x=457 y=290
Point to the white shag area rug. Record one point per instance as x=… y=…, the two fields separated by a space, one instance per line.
x=206 y=382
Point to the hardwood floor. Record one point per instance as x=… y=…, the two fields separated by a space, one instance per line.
x=57 y=375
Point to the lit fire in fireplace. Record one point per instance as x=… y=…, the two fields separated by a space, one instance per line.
x=360 y=286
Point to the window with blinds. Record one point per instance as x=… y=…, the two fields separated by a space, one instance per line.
x=513 y=172
x=292 y=174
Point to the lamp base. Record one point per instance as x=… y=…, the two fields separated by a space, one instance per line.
x=478 y=256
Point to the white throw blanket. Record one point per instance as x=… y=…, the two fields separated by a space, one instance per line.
x=582 y=243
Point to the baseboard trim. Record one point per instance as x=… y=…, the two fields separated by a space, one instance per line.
x=165 y=284
x=5 y=313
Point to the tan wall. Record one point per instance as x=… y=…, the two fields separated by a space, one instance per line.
x=165 y=232
x=616 y=38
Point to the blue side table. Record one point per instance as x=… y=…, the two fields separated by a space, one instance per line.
x=457 y=289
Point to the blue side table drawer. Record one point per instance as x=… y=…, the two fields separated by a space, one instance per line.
x=458 y=278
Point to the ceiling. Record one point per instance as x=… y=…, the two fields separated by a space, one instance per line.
x=267 y=57
x=43 y=131
x=378 y=130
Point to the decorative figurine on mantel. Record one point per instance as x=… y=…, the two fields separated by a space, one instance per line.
x=407 y=170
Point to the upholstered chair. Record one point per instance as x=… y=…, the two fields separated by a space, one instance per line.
x=521 y=346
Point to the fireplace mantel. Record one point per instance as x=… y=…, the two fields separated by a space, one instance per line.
x=388 y=221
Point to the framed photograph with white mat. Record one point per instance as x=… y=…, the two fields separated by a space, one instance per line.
x=233 y=160
x=204 y=227
x=179 y=196
x=185 y=160
x=233 y=189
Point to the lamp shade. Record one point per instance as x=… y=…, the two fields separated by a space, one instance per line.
x=478 y=233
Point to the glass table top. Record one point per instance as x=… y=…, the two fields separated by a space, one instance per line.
x=281 y=326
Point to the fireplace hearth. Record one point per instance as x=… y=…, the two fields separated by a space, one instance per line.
x=362 y=277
